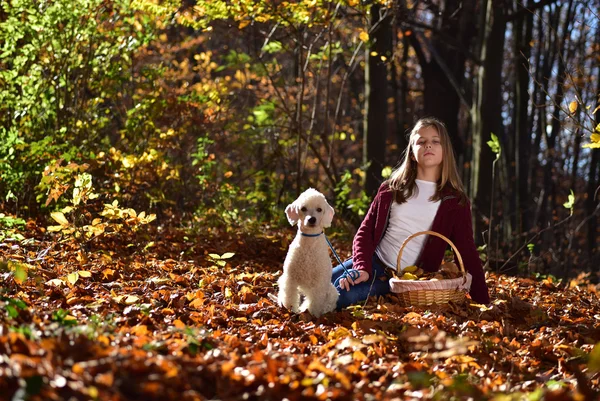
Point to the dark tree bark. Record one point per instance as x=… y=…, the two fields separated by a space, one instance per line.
x=547 y=51
x=443 y=67
x=549 y=201
x=523 y=33
x=376 y=94
x=487 y=117
x=400 y=88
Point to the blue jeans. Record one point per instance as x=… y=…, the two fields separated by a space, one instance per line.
x=360 y=291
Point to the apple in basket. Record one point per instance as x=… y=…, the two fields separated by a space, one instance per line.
x=448 y=270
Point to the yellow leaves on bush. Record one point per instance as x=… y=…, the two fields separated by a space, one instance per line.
x=60 y=218
x=240 y=76
x=573 y=107
x=595 y=139
x=363 y=35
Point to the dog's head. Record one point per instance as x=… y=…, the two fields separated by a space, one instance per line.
x=311 y=211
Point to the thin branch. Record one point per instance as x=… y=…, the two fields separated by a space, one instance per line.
x=351 y=67
x=534 y=237
x=443 y=37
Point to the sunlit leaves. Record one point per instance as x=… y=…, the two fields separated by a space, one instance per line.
x=58 y=80
x=594 y=359
x=595 y=139
x=272 y=46
x=126 y=299
x=494 y=144
x=63 y=317
x=60 y=218
x=72 y=278
x=569 y=204
x=263 y=113
x=149 y=307
x=386 y=172
x=573 y=106
x=221 y=260
x=55 y=282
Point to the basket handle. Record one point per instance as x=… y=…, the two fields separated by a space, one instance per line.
x=458 y=256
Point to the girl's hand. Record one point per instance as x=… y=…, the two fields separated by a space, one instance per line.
x=347 y=282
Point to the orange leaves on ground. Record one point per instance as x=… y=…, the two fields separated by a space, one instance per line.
x=212 y=330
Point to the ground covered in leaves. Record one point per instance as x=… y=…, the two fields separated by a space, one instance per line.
x=189 y=317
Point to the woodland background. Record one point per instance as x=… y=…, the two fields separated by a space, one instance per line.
x=221 y=112
x=149 y=148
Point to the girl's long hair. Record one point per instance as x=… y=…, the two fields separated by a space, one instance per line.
x=402 y=179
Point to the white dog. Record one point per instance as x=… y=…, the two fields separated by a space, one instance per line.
x=307 y=267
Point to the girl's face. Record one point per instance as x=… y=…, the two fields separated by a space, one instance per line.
x=427 y=148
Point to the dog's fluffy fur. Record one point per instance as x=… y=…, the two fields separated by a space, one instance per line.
x=307 y=268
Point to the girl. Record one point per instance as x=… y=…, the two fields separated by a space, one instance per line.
x=424 y=193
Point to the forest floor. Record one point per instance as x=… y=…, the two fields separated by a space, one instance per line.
x=170 y=322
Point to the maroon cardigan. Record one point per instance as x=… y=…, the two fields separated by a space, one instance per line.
x=452 y=220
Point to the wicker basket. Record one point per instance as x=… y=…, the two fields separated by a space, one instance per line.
x=427 y=292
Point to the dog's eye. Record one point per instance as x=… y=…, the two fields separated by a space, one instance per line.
x=303 y=208
x=319 y=210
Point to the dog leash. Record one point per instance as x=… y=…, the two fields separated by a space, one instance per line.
x=352 y=274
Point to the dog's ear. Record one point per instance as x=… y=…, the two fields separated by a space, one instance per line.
x=328 y=216
x=291 y=211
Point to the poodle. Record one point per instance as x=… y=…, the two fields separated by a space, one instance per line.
x=307 y=267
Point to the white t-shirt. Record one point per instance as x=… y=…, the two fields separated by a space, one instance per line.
x=416 y=214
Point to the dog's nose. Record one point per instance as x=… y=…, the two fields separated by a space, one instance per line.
x=312 y=220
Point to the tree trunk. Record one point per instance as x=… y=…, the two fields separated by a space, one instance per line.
x=548 y=49
x=523 y=32
x=487 y=117
x=376 y=110
x=549 y=201
x=443 y=73
x=400 y=99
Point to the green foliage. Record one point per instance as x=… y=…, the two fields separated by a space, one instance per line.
x=569 y=204
x=594 y=359
x=245 y=12
x=9 y=227
x=494 y=144
x=204 y=161
x=113 y=219
x=344 y=189
x=12 y=306
x=18 y=270
x=197 y=339
x=482 y=250
x=63 y=318
x=26 y=331
x=71 y=87
x=58 y=76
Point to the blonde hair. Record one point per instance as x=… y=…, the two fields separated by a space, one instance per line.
x=402 y=179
